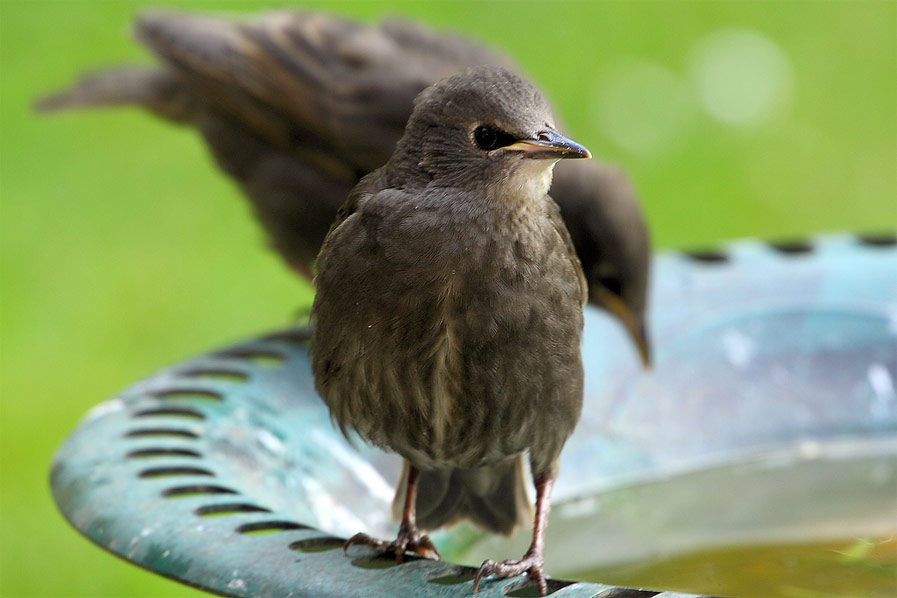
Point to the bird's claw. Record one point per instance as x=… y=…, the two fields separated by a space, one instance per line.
x=365 y=540
x=531 y=564
x=407 y=541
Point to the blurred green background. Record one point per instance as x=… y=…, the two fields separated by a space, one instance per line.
x=124 y=250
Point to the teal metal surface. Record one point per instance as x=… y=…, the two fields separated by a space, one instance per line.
x=755 y=348
x=773 y=382
x=223 y=472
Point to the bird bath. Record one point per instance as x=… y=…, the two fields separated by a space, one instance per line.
x=768 y=419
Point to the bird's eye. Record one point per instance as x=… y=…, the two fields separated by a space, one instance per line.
x=489 y=138
x=612 y=283
x=485 y=137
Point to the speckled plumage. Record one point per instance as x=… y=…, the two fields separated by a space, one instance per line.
x=415 y=290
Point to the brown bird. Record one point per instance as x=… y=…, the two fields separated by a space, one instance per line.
x=448 y=313
x=297 y=106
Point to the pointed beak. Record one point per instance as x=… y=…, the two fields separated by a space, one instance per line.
x=643 y=344
x=633 y=323
x=548 y=145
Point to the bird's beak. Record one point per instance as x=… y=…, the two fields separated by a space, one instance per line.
x=633 y=323
x=549 y=145
x=640 y=338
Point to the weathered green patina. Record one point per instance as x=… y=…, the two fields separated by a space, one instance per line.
x=224 y=472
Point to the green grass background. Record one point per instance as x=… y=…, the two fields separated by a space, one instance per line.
x=122 y=249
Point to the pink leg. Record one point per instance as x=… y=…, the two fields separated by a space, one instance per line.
x=409 y=538
x=534 y=559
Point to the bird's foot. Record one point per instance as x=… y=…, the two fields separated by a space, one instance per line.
x=407 y=541
x=531 y=564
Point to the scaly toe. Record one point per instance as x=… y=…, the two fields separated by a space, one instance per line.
x=414 y=543
x=530 y=565
x=425 y=548
x=364 y=540
x=485 y=570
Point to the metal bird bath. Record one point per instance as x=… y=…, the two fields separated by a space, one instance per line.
x=773 y=391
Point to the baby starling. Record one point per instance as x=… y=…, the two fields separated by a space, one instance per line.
x=448 y=314
x=297 y=106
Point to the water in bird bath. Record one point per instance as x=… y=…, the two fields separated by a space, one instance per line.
x=837 y=568
x=814 y=520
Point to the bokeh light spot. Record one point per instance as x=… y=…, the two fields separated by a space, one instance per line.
x=742 y=77
x=643 y=107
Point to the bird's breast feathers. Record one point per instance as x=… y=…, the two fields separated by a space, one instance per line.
x=449 y=318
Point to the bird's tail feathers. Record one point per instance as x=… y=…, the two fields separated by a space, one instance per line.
x=493 y=498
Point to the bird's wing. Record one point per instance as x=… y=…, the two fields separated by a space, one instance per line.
x=311 y=79
x=366 y=187
x=156 y=90
x=554 y=214
x=296 y=106
x=608 y=229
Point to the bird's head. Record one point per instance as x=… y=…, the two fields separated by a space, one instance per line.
x=612 y=240
x=485 y=127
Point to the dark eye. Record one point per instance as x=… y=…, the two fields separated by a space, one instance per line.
x=612 y=283
x=488 y=138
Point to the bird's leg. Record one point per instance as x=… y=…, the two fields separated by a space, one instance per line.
x=533 y=560
x=409 y=538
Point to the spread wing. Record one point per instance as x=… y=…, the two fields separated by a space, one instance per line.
x=311 y=81
x=296 y=106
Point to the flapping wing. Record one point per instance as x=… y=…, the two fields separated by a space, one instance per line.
x=311 y=81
